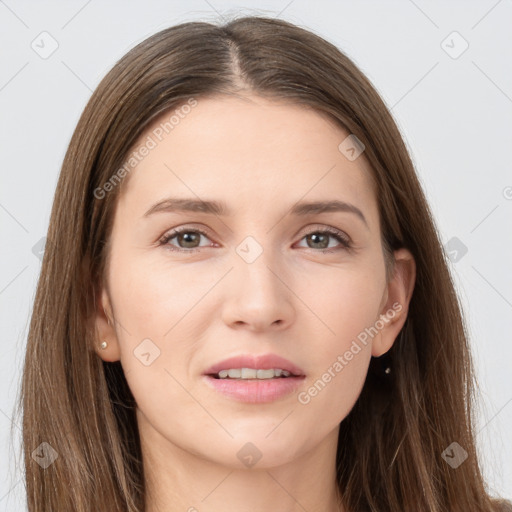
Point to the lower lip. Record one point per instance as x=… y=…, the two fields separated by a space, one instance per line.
x=255 y=391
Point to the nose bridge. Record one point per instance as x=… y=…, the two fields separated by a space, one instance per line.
x=257 y=293
x=256 y=265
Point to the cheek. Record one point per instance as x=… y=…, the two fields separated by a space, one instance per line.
x=348 y=306
x=154 y=307
x=344 y=301
x=152 y=296
x=332 y=392
x=151 y=304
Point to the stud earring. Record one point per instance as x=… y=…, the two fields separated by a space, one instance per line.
x=103 y=346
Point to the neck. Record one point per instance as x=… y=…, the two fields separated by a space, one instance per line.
x=178 y=480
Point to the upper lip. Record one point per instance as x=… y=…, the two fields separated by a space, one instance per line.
x=263 y=362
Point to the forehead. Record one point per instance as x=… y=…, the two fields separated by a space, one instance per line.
x=247 y=151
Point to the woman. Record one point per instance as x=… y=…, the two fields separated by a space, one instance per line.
x=257 y=370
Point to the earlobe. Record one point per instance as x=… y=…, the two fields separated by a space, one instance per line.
x=399 y=292
x=106 y=343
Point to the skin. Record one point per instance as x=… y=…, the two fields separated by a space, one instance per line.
x=198 y=308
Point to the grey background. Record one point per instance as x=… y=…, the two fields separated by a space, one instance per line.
x=455 y=113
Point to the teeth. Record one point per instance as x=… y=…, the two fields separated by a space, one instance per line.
x=234 y=374
x=251 y=373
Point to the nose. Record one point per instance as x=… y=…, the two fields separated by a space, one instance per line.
x=257 y=296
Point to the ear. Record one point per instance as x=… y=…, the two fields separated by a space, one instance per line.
x=105 y=329
x=395 y=303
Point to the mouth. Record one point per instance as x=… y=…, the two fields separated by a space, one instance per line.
x=261 y=367
x=254 y=379
x=252 y=374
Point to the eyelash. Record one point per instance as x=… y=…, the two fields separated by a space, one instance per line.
x=338 y=235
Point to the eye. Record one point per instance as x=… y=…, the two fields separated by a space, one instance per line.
x=322 y=236
x=192 y=237
x=184 y=235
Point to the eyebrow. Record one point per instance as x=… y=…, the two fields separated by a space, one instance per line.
x=219 y=208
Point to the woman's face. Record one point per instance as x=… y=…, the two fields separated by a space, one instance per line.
x=252 y=280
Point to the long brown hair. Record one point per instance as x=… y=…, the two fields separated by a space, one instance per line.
x=389 y=455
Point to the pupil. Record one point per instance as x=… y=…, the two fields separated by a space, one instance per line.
x=316 y=236
x=188 y=235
